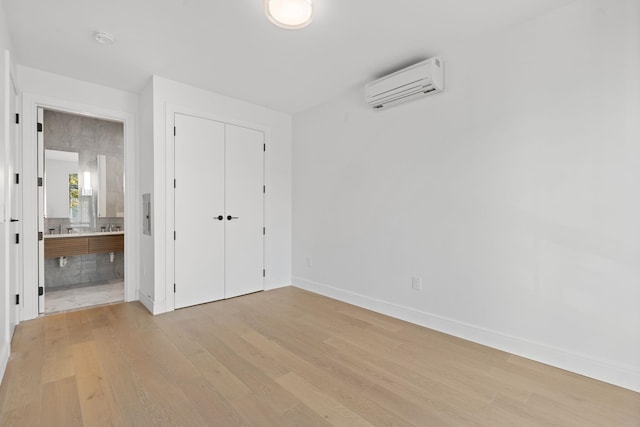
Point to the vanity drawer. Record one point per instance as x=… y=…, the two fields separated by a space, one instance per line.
x=100 y=244
x=65 y=246
x=71 y=246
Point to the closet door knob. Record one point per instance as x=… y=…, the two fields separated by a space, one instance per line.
x=219 y=217
x=229 y=217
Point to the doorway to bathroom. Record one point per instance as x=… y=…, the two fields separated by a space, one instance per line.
x=81 y=211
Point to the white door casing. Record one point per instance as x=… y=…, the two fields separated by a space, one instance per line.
x=218 y=210
x=40 y=138
x=15 y=197
x=30 y=103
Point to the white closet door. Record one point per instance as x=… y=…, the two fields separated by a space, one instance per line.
x=244 y=201
x=199 y=202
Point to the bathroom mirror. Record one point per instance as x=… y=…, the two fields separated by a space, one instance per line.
x=110 y=186
x=81 y=186
x=61 y=184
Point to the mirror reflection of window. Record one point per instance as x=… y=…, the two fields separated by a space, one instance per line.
x=59 y=167
x=74 y=201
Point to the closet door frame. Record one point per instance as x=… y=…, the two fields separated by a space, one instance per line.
x=171 y=111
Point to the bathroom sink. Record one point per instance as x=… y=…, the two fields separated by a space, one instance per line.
x=87 y=234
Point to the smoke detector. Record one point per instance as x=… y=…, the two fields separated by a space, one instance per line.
x=103 y=38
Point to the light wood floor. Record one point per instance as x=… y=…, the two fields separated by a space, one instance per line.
x=282 y=358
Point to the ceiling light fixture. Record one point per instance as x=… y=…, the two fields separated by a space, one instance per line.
x=289 y=14
x=104 y=38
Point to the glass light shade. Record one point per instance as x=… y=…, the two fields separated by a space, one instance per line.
x=87 y=180
x=289 y=14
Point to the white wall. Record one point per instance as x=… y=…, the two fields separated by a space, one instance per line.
x=513 y=195
x=167 y=95
x=5 y=120
x=41 y=88
x=147 y=263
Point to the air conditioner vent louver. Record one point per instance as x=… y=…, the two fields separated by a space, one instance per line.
x=418 y=80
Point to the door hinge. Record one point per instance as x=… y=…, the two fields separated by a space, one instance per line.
x=174 y=183
x=264 y=189
x=39 y=127
x=17 y=299
x=174 y=131
x=174 y=235
x=17 y=238
x=264 y=273
x=40 y=183
x=174 y=288
x=40 y=236
x=264 y=231
x=40 y=291
x=264 y=147
x=17 y=118
x=17 y=178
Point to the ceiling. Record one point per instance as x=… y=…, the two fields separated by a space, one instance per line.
x=230 y=47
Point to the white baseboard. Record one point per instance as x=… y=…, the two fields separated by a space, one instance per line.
x=153 y=307
x=4 y=359
x=622 y=376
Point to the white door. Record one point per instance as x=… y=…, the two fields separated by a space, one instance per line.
x=199 y=211
x=219 y=213
x=15 y=251
x=244 y=200
x=40 y=131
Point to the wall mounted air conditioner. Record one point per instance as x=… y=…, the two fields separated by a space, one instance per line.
x=418 y=80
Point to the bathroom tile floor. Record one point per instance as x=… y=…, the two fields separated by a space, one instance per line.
x=85 y=296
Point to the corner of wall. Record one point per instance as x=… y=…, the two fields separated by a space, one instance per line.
x=4 y=359
x=622 y=376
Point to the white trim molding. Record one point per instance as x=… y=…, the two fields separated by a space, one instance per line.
x=154 y=307
x=30 y=104
x=623 y=376
x=4 y=359
x=167 y=275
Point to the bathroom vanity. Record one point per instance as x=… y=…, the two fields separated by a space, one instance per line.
x=62 y=245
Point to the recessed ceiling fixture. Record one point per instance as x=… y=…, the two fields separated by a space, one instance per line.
x=104 y=38
x=289 y=14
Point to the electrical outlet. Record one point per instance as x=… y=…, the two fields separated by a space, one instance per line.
x=309 y=262
x=416 y=283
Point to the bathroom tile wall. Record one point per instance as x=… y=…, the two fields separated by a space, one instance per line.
x=89 y=137
x=69 y=132
x=83 y=270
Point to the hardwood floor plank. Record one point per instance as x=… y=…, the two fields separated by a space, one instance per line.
x=27 y=415
x=132 y=400
x=282 y=358
x=210 y=404
x=253 y=377
x=348 y=389
x=330 y=409
x=96 y=398
x=22 y=384
x=302 y=415
x=79 y=326
x=60 y=404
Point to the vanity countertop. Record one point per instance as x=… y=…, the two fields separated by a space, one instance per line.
x=88 y=234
